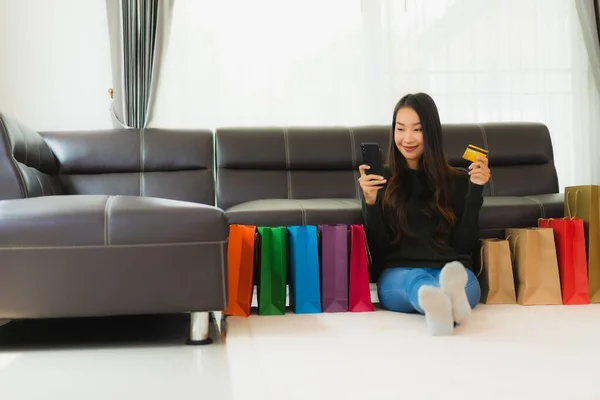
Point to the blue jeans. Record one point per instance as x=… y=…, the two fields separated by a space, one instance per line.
x=398 y=288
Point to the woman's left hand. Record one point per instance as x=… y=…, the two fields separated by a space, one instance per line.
x=479 y=171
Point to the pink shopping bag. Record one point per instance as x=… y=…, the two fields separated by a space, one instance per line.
x=360 y=291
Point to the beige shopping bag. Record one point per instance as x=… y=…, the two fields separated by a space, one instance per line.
x=496 y=275
x=584 y=202
x=535 y=266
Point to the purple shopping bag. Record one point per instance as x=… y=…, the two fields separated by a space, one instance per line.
x=334 y=267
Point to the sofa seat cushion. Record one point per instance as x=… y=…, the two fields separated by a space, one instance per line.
x=501 y=212
x=94 y=220
x=497 y=213
x=551 y=205
x=287 y=212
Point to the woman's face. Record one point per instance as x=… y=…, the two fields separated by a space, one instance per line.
x=408 y=135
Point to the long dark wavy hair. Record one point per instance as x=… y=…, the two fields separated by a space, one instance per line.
x=440 y=175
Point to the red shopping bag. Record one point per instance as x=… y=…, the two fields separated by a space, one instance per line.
x=572 y=260
x=360 y=291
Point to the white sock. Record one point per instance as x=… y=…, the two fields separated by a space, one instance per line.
x=438 y=310
x=453 y=280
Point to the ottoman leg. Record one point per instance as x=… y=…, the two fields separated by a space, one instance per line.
x=199 y=326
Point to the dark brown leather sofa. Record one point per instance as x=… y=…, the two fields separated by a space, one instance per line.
x=287 y=176
x=122 y=222
x=115 y=222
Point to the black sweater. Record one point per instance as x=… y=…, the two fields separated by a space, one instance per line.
x=419 y=250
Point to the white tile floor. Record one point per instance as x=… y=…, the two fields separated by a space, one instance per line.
x=110 y=359
x=505 y=352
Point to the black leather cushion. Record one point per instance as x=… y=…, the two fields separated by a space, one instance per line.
x=496 y=214
x=520 y=155
x=551 y=205
x=291 y=163
x=171 y=164
x=86 y=255
x=500 y=212
x=27 y=165
x=504 y=211
x=128 y=150
x=286 y=212
x=193 y=185
x=88 y=220
x=322 y=162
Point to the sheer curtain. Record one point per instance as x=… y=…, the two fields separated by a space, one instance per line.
x=55 y=69
x=263 y=62
x=346 y=62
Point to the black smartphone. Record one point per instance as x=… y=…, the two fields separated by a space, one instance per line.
x=371 y=156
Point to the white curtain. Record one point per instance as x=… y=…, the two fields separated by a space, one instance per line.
x=588 y=83
x=346 y=62
x=139 y=33
x=55 y=63
x=263 y=62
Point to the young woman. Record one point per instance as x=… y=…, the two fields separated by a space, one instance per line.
x=422 y=220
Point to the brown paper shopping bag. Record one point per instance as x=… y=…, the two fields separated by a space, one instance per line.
x=496 y=274
x=535 y=266
x=584 y=202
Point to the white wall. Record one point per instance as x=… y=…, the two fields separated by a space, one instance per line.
x=55 y=63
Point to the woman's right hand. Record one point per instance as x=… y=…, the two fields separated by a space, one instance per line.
x=370 y=184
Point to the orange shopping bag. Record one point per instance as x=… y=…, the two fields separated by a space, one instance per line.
x=240 y=270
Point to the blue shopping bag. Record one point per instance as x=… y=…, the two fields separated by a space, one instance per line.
x=305 y=280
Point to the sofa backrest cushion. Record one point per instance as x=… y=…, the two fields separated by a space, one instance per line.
x=27 y=165
x=171 y=164
x=322 y=162
x=289 y=163
x=521 y=156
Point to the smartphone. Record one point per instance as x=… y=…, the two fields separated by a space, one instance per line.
x=371 y=156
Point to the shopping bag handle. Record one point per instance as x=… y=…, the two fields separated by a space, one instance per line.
x=369 y=257
x=481 y=258
x=570 y=215
x=513 y=252
x=368 y=251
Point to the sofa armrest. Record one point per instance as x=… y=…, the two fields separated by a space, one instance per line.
x=96 y=255
x=27 y=165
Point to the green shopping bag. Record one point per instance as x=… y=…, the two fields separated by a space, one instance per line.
x=273 y=270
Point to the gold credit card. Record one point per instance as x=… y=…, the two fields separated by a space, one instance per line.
x=473 y=151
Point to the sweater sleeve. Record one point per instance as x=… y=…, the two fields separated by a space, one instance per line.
x=378 y=238
x=376 y=229
x=465 y=238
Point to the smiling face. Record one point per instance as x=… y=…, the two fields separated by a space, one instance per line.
x=408 y=135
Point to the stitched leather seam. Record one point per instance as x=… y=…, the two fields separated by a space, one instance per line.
x=107 y=220
x=303 y=212
x=485 y=144
x=142 y=140
x=115 y=246
x=12 y=160
x=540 y=205
x=40 y=183
x=24 y=142
x=287 y=163
x=52 y=185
